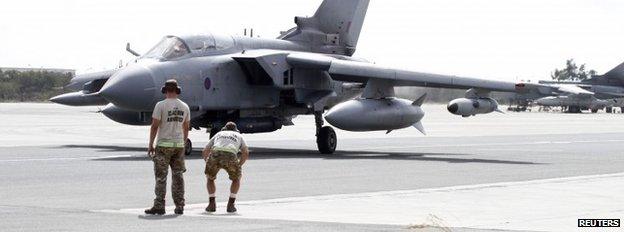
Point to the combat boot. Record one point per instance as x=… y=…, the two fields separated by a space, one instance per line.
x=155 y=211
x=230 y=207
x=179 y=210
x=212 y=205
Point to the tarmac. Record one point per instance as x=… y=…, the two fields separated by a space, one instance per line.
x=72 y=169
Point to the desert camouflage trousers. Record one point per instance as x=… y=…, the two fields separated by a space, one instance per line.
x=169 y=157
x=223 y=160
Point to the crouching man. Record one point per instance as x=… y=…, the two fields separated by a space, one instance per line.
x=170 y=121
x=222 y=153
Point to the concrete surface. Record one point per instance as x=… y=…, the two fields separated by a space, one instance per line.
x=67 y=169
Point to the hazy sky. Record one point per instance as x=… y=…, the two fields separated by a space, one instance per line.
x=511 y=39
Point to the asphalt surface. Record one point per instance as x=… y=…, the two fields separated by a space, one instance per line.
x=61 y=166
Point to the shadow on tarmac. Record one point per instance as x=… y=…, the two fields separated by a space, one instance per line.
x=157 y=217
x=260 y=153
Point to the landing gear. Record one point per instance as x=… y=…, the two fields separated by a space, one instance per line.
x=326 y=139
x=594 y=111
x=609 y=110
x=188 y=147
x=574 y=110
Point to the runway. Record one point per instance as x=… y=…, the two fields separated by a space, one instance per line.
x=69 y=169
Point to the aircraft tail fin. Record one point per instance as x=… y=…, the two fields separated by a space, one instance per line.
x=617 y=72
x=335 y=27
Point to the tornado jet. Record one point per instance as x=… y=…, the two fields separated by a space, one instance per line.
x=262 y=83
x=575 y=103
x=596 y=93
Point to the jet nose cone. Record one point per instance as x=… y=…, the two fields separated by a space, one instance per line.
x=333 y=116
x=57 y=99
x=453 y=108
x=132 y=88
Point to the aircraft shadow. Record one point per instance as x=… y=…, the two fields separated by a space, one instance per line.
x=274 y=153
x=262 y=153
x=103 y=148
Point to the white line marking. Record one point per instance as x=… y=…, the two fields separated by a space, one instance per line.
x=543 y=205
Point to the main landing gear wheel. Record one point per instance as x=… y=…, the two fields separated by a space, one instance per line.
x=188 y=147
x=326 y=140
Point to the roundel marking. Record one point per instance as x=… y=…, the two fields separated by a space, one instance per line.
x=207 y=83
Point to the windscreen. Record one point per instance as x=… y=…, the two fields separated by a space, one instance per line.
x=168 y=48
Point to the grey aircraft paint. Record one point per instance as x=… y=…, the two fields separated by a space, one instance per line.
x=595 y=93
x=263 y=83
x=591 y=103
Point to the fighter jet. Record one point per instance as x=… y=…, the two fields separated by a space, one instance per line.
x=575 y=103
x=262 y=84
x=598 y=92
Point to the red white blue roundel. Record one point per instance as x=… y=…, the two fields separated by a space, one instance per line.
x=207 y=83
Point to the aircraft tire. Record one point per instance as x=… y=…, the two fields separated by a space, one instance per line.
x=188 y=147
x=326 y=140
x=574 y=110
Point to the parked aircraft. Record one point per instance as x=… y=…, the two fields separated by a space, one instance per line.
x=262 y=84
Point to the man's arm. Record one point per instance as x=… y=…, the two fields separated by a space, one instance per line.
x=244 y=155
x=186 y=127
x=153 y=132
x=244 y=152
x=208 y=149
x=206 y=153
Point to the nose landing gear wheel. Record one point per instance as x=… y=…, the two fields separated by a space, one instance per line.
x=188 y=147
x=326 y=140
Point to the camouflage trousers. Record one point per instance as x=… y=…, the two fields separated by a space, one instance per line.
x=223 y=160
x=164 y=158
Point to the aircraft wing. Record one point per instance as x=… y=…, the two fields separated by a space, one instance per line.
x=79 y=81
x=354 y=71
x=573 y=90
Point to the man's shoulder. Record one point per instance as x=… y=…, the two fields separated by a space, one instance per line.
x=158 y=104
x=237 y=134
x=230 y=133
x=183 y=104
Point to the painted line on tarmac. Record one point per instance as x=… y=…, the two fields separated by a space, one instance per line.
x=536 y=205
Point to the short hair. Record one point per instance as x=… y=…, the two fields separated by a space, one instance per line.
x=231 y=126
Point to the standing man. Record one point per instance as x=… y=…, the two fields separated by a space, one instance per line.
x=222 y=153
x=171 y=122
